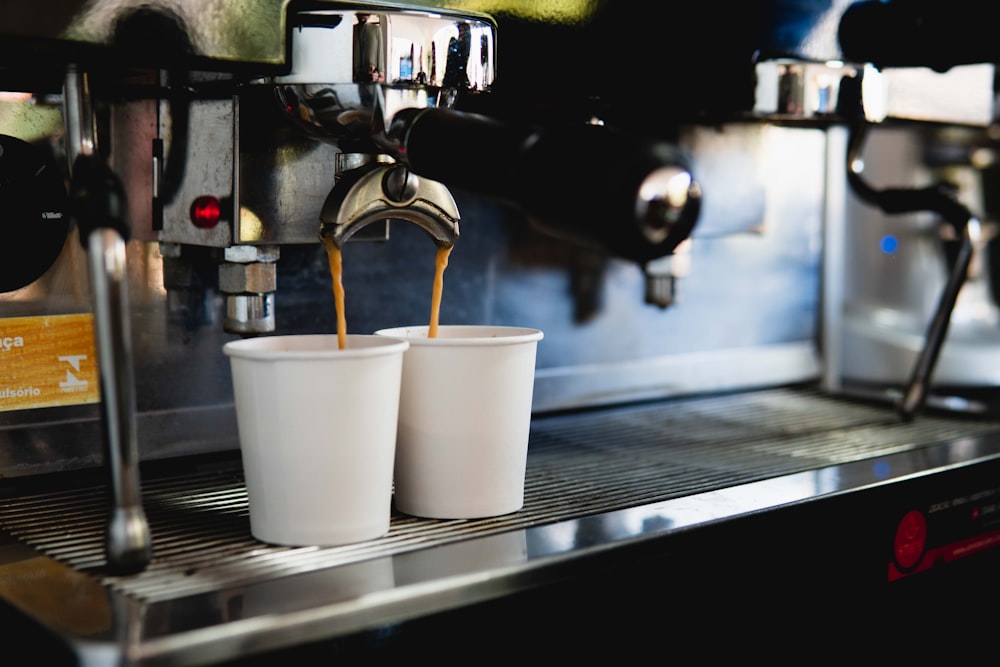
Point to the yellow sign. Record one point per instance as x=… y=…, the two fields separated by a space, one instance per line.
x=47 y=361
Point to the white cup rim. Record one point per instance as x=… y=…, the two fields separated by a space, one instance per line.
x=469 y=335
x=313 y=346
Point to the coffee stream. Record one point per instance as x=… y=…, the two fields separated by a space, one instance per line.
x=440 y=263
x=335 y=258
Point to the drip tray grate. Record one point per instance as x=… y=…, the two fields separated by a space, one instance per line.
x=579 y=465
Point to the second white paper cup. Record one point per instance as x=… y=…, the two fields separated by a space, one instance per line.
x=464 y=420
x=317 y=430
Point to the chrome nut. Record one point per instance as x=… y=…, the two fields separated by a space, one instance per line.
x=256 y=278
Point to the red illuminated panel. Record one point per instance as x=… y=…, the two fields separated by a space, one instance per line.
x=911 y=554
x=911 y=540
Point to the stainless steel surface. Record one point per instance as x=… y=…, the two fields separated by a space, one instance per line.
x=795 y=90
x=202 y=123
x=78 y=112
x=351 y=71
x=798 y=89
x=596 y=480
x=353 y=68
x=744 y=315
x=703 y=507
x=249 y=314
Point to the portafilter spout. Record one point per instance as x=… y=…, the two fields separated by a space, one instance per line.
x=352 y=68
x=379 y=191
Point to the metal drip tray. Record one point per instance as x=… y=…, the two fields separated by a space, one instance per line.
x=596 y=480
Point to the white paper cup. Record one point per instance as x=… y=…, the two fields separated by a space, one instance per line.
x=317 y=429
x=464 y=419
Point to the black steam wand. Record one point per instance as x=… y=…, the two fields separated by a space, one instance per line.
x=940 y=199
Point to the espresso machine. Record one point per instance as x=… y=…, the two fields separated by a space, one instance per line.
x=728 y=408
x=882 y=331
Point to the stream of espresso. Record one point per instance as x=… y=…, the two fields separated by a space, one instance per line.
x=440 y=263
x=336 y=261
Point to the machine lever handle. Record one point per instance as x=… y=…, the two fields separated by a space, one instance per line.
x=938 y=35
x=598 y=186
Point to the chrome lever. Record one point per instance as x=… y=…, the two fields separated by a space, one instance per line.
x=98 y=203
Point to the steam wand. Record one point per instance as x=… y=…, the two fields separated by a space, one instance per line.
x=98 y=202
x=938 y=199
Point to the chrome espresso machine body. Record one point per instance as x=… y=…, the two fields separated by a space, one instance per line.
x=737 y=399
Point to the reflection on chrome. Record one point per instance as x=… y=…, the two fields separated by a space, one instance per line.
x=480 y=555
x=352 y=71
x=342 y=584
x=685 y=512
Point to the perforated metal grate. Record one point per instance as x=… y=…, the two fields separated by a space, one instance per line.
x=578 y=465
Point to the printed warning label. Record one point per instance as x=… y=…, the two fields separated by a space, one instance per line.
x=47 y=361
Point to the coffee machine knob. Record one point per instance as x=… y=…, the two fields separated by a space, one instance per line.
x=35 y=221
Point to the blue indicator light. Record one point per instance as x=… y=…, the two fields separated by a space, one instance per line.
x=889 y=244
x=881 y=469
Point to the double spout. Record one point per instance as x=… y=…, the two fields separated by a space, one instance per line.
x=377 y=190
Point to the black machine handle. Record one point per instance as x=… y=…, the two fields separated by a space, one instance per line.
x=634 y=198
x=919 y=33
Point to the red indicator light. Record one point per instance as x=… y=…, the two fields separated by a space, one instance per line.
x=206 y=212
x=911 y=540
